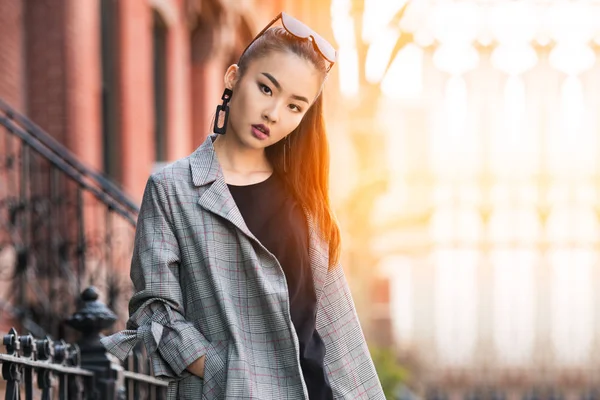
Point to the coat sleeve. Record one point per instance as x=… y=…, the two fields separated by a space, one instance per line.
x=348 y=362
x=156 y=308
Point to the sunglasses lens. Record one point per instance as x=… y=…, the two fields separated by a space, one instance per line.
x=326 y=49
x=300 y=30
x=295 y=27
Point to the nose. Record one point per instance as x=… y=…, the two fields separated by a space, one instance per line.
x=271 y=113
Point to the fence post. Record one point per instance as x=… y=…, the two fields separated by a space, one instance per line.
x=90 y=319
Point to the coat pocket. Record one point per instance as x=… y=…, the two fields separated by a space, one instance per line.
x=212 y=386
x=215 y=371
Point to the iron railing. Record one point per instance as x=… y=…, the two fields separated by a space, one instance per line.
x=77 y=371
x=63 y=226
x=27 y=360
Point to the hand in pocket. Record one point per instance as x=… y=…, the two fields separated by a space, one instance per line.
x=197 y=367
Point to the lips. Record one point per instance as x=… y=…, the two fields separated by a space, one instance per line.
x=263 y=129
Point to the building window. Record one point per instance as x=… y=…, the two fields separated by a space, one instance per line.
x=159 y=33
x=111 y=134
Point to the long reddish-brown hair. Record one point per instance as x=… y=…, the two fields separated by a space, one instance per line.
x=306 y=172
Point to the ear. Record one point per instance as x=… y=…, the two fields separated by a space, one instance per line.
x=231 y=76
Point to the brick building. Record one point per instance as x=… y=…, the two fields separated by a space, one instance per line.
x=126 y=84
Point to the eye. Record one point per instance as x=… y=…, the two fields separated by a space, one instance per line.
x=264 y=88
x=295 y=108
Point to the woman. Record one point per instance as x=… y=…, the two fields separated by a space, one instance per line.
x=238 y=290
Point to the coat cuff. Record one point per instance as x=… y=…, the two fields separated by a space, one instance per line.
x=181 y=344
x=170 y=348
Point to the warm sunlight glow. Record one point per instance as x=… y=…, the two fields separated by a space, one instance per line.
x=404 y=79
x=379 y=52
x=572 y=305
x=343 y=30
x=456 y=305
x=348 y=71
x=485 y=129
x=376 y=16
x=514 y=305
x=400 y=272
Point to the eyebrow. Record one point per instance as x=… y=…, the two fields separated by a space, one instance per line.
x=278 y=86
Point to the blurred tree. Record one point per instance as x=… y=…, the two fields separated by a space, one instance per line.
x=370 y=149
x=391 y=373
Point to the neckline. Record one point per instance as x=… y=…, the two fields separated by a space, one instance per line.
x=269 y=178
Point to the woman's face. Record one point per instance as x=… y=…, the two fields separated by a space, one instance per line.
x=270 y=99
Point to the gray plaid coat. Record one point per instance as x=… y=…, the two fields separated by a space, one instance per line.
x=204 y=285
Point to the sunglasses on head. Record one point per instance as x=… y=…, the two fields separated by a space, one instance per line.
x=301 y=31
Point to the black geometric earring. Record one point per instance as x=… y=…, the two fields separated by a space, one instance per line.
x=223 y=108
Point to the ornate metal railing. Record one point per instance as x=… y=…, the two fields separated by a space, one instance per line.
x=63 y=227
x=28 y=360
x=76 y=371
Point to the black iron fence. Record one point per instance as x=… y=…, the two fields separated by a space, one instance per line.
x=27 y=357
x=43 y=368
x=63 y=227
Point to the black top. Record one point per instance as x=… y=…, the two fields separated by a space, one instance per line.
x=278 y=222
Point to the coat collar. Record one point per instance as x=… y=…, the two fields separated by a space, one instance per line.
x=205 y=170
x=216 y=198
x=204 y=164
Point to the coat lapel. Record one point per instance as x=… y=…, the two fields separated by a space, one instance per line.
x=216 y=198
